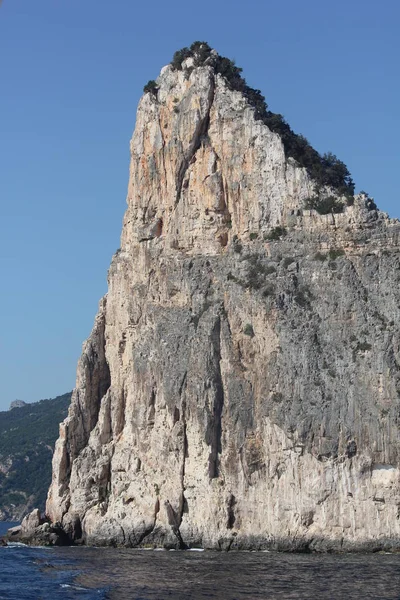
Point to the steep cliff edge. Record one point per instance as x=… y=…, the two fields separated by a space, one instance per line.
x=241 y=385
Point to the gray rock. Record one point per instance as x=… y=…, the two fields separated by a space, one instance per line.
x=34 y=531
x=31 y=522
x=17 y=404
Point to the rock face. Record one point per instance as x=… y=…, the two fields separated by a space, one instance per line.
x=240 y=387
x=17 y=404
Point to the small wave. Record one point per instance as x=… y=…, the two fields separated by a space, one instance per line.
x=195 y=549
x=74 y=587
x=21 y=545
x=78 y=588
x=16 y=545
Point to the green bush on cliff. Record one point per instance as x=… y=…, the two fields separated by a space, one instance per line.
x=324 y=206
x=276 y=233
x=335 y=253
x=248 y=330
x=179 y=57
x=151 y=87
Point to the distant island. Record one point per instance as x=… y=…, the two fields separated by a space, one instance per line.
x=27 y=436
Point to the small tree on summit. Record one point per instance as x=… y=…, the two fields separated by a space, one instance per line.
x=151 y=87
x=179 y=57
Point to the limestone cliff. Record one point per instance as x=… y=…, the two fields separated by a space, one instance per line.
x=241 y=385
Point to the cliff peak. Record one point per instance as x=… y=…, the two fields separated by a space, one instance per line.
x=326 y=170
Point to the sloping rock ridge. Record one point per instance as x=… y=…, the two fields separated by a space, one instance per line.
x=241 y=385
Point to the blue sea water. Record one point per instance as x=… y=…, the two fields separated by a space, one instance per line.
x=129 y=574
x=40 y=574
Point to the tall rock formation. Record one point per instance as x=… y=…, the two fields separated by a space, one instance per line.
x=241 y=384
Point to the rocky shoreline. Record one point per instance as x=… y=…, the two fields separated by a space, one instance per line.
x=36 y=530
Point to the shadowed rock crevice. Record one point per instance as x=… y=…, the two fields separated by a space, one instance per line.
x=120 y=414
x=231 y=512
x=95 y=381
x=136 y=540
x=174 y=523
x=215 y=423
x=182 y=416
x=199 y=133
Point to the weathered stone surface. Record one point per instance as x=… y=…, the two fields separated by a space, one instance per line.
x=235 y=392
x=31 y=521
x=36 y=530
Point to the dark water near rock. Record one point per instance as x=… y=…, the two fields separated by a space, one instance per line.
x=107 y=573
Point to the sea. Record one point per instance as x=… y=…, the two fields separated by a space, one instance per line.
x=82 y=573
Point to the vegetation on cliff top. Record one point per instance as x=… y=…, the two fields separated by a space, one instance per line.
x=151 y=87
x=27 y=438
x=326 y=170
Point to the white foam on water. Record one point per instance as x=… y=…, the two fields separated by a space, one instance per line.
x=74 y=587
x=16 y=545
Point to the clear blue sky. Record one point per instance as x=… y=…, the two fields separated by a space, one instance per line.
x=72 y=72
